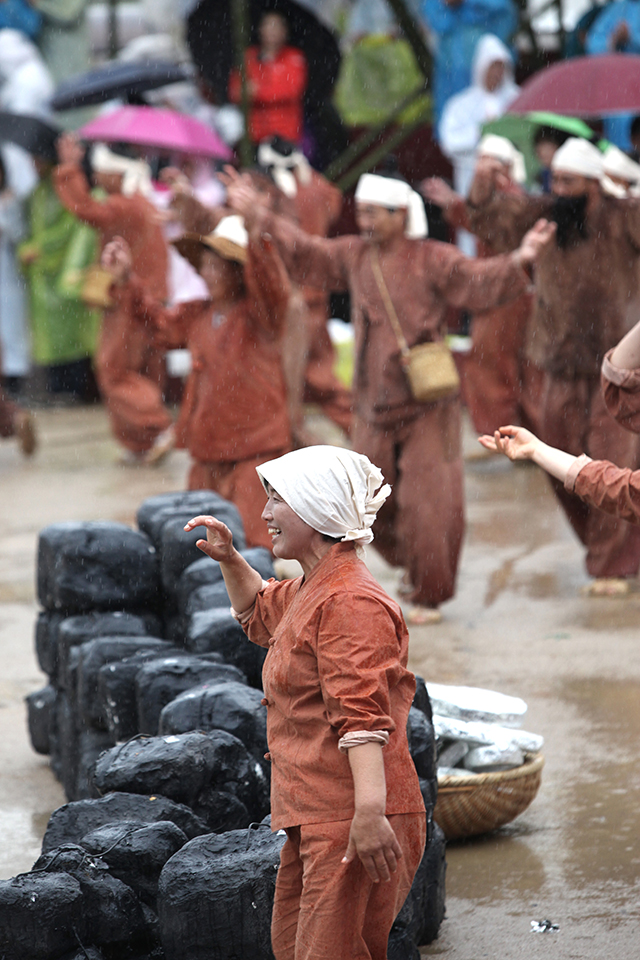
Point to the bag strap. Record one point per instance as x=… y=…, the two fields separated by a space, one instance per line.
x=388 y=304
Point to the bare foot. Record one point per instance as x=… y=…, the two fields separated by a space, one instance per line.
x=607 y=587
x=423 y=616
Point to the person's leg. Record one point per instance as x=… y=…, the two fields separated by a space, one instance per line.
x=286 y=904
x=343 y=915
x=430 y=498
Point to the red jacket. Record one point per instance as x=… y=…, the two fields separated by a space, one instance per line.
x=276 y=104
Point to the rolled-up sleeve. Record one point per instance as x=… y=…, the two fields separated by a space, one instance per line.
x=614 y=490
x=358 y=665
x=574 y=470
x=268 y=610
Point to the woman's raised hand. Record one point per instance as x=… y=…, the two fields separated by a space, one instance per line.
x=219 y=542
x=116 y=259
x=515 y=442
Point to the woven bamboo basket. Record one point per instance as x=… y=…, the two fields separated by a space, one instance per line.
x=476 y=804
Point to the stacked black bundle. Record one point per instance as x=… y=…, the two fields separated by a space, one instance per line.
x=155 y=726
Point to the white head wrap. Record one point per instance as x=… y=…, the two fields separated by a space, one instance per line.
x=394 y=194
x=502 y=149
x=618 y=164
x=334 y=490
x=580 y=157
x=136 y=173
x=284 y=170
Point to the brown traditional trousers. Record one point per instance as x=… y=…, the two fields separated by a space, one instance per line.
x=328 y=910
x=421 y=525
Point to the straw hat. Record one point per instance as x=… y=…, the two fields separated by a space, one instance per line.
x=229 y=239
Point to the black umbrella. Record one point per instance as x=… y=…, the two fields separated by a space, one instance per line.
x=123 y=80
x=32 y=134
x=210 y=39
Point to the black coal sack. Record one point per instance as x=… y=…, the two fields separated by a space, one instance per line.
x=215 y=896
x=40 y=718
x=71 y=822
x=217 y=631
x=97 y=565
x=161 y=681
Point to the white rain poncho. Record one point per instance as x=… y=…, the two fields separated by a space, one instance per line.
x=336 y=491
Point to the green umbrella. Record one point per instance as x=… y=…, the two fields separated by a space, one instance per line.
x=521 y=130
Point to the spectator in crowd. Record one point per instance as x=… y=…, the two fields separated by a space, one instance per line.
x=616 y=30
x=14 y=337
x=463 y=116
x=64 y=37
x=457 y=25
x=276 y=81
x=20 y=15
x=54 y=254
x=26 y=87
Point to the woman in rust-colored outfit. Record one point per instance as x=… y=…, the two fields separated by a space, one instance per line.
x=234 y=411
x=338 y=694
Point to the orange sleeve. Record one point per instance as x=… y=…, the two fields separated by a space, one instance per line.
x=73 y=191
x=358 y=653
x=271 y=604
x=170 y=327
x=615 y=490
x=268 y=285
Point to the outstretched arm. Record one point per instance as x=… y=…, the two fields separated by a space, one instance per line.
x=242 y=581
x=520 y=444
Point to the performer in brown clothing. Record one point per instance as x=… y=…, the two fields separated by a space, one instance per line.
x=498 y=384
x=234 y=412
x=416 y=445
x=587 y=297
x=129 y=369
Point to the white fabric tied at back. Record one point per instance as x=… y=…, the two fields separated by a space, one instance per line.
x=503 y=150
x=394 y=195
x=136 y=174
x=579 y=157
x=336 y=491
x=284 y=170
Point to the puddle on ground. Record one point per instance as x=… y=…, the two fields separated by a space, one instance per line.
x=581 y=835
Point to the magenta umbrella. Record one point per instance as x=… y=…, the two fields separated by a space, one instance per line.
x=152 y=127
x=584 y=87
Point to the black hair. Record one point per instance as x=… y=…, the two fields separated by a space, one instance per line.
x=635 y=127
x=550 y=135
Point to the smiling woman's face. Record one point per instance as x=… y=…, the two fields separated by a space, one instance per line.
x=291 y=537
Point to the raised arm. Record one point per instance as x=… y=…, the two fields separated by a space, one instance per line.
x=242 y=581
x=267 y=282
x=72 y=186
x=497 y=216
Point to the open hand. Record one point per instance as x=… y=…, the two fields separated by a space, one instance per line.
x=177 y=181
x=372 y=839
x=219 y=542
x=116 y=260
x=242 y=196
x=535 y=241
x=515 y=442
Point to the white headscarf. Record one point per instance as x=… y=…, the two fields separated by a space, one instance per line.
x=502 y=149
x=394 y=194
x=334 y=490
x=136 y=174
x=618 y=164
x=579 y=157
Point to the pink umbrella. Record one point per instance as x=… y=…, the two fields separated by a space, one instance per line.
x=152 y=127
x=584 y=87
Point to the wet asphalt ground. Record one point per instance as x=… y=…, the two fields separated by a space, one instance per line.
x=518 y=624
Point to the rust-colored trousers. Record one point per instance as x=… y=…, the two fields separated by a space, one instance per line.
x=574 y=418
x=327 y=910
x=239 y=483
x=421 y=525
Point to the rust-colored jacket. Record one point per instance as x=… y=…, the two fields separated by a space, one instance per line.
x=423 y=277
x=235 y=402
x=132 y=218
x=336 y=663
x=587 y=295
